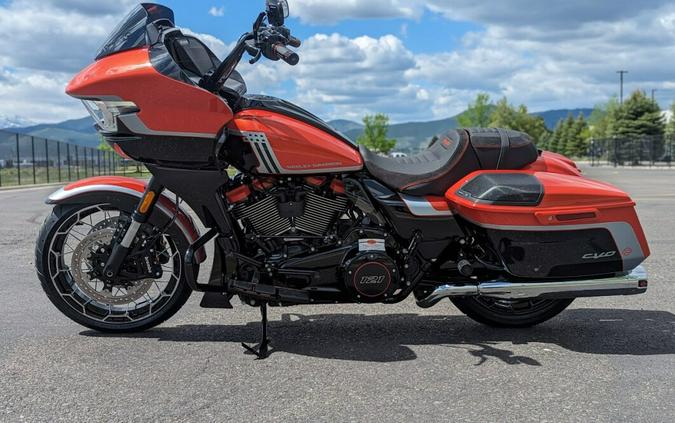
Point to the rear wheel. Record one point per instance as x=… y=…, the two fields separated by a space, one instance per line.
x=510 y=313
x=76 y=240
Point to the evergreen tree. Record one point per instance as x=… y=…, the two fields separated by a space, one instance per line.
x=637 y=119
x=554 y=139
x=375 y=134
x=602 y=119
x=479 y=113
x=566 y=133
x=578 y=141
x=670 y=127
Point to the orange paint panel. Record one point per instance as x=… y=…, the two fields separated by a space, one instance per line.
x=120 y=181
x=564 y=195
x=439 y=203
x=166 y=105
x=553 y=163
x=299 y=147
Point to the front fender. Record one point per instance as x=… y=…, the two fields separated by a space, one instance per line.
x=117 y=185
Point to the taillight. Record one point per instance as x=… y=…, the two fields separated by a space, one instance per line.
x=105 y=113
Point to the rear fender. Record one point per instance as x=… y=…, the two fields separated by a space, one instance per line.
x=107 y=186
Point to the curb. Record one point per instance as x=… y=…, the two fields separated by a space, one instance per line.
x=31 y=187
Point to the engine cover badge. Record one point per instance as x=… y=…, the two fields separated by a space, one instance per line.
x=372 y=245
x=371 y=277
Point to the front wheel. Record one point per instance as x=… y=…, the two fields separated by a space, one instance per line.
x=74 y=243
x=510 y=313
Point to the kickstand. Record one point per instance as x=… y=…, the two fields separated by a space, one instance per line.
x=263 y=350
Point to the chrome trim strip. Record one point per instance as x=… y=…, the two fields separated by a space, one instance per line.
x=627 y=284
x=420 y=206
x=136 y=125
x=626 y=241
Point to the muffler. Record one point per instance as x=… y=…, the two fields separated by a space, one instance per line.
x=632 y=283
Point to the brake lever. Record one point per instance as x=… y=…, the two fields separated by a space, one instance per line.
x=256 y=58
x=252 y=50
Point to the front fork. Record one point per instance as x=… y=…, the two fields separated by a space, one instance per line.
x=140 y=216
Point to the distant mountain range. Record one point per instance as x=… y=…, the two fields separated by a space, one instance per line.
x=77 y=131
x=410 y=136
x=413 y=135
x=9 y=122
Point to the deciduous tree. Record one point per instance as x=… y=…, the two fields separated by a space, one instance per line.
x=375 y=134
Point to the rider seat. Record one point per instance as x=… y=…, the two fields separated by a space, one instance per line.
x=450 y=158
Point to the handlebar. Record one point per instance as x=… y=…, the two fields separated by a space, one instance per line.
x=286 y=55
x=294 y=42
x=269 y=41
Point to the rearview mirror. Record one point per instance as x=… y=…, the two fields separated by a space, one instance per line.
x=277 y=12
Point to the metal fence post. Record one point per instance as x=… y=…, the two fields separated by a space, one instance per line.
x=70 y=177
x=47 y=157
x=18 y=161
x=77 y=161
x=58 y=158
x=32 y=149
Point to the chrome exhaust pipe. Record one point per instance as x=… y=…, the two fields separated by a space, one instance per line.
x=632 y=283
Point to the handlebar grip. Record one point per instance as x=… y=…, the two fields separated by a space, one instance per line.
x=294 y=42
x=286 y=55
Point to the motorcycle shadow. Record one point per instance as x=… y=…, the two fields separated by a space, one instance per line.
x=389 y=338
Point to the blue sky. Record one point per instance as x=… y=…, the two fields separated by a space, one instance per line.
x=412 y=59
x=431 y=33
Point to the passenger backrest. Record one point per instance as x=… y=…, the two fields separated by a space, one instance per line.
x=502 y=148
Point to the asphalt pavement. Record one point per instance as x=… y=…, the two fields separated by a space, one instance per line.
x=603 y=360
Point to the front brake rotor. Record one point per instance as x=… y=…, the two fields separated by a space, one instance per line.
x=82 y=269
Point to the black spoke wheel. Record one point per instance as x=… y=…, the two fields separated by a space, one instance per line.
x=67 y=257
x=510 y=313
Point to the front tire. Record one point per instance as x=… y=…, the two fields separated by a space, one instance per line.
x=84 y=304
x=510 y=313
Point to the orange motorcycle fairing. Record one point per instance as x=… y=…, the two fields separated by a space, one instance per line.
x=167 y=107
x=285 y=145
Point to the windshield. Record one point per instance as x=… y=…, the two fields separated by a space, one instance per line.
x=131 y=32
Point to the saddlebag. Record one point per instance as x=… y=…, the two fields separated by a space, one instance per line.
x=549 y=225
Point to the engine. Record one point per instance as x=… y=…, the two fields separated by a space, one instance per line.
x=308 y=234
x=288 y=208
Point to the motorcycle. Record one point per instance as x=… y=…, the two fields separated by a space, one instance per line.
x=510 y=234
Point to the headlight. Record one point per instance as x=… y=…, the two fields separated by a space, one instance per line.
x=105 y=112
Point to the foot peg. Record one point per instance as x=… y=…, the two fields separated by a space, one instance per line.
x=263 y=350
x=216 y=300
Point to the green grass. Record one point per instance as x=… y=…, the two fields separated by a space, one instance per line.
x=43 y=175
x=10 y=176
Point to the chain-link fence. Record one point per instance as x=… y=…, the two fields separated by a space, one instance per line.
x=29 y=160
x=638 y=151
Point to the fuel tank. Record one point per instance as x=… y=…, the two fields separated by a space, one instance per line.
x=286 y=140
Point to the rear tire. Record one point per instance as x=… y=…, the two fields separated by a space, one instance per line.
x=510 y=313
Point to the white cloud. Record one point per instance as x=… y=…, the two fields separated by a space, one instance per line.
x=217 y=11
x=321 y=11
x=547 y=55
